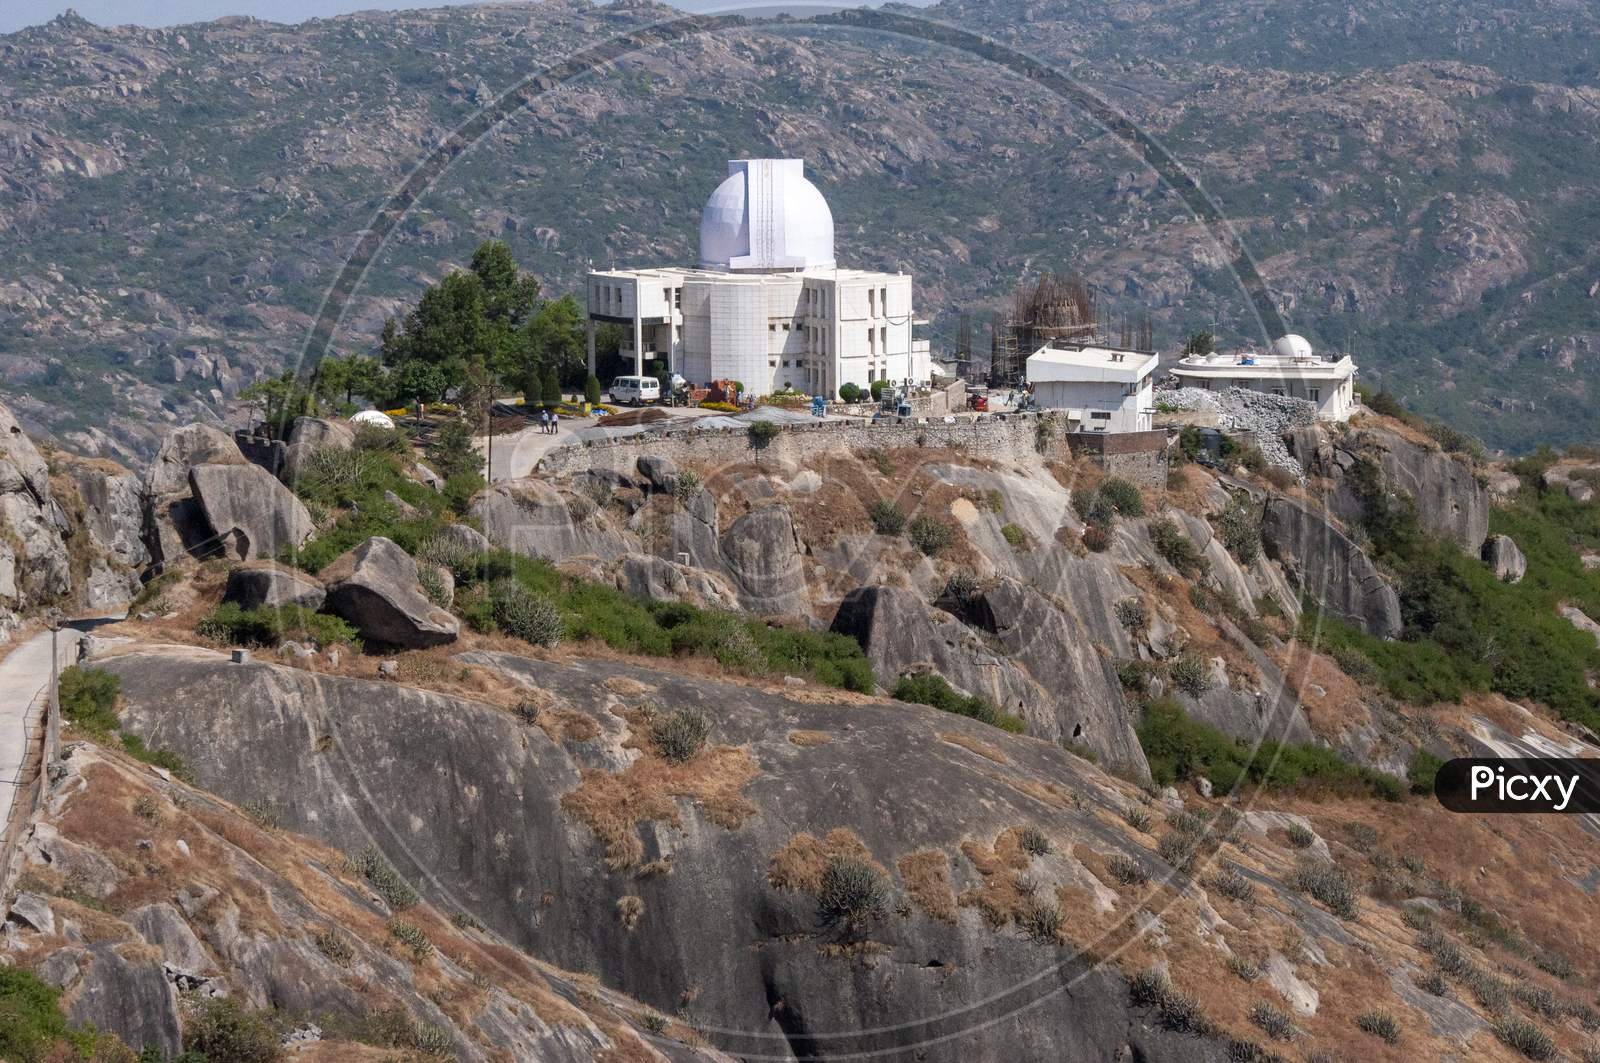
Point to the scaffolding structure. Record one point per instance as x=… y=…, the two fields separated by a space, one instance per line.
x=1057 y=309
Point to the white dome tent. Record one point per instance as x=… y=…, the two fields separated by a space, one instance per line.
x=376 y=418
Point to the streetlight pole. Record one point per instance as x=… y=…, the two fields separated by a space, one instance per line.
x=489 y=470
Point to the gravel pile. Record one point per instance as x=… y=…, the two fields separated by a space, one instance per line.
x=1239 y=410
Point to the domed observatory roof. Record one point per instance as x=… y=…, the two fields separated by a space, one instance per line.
x=1291 y=346
x=766 y=216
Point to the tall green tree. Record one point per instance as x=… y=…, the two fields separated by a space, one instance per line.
x=447 y=328
x=509 y=295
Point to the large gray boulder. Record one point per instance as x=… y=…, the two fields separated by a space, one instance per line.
x=1324 y=563
x=375 y=588
x=173 y=523
x=1016 y=650
x=530 y=517
x=268 y=583
x=1502 y=556
x=34 y=566
x=658 y=579
x=113 y=511
x=763 y=557
x=308 y=435
x=248 y=513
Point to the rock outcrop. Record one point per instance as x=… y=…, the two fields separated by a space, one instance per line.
x=306 y=436
x=268 y=583
x=1324 y=563
x=34 y=567
x=513 y=822
x=763 y=557
x=533 y=518
x=1016 y=649
x=247 y=512
x=273 y=920
x=374 y=587
x=174 y=523
x=1503 y=557
x=1450 y=503
x=656 y=578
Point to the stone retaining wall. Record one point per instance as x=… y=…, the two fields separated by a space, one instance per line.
x=1010 y=438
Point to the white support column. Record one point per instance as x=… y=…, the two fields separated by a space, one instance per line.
x=588 y=337
x=638 y=338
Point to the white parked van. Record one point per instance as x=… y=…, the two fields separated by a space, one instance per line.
x=635 y=390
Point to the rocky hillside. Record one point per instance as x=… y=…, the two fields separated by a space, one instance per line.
x=1414 y=183
x=940 y=750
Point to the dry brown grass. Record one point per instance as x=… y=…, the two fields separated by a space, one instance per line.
x=613 y=804
x=926 y=874
x=800 y=864
x=630 y=910
x=810 y=738
x=978 y=746
x=1001 y=897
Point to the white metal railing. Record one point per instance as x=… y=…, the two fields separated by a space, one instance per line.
x=42 y=733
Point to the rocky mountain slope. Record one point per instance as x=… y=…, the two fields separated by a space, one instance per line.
x=1057 y=765
x=1414 y=182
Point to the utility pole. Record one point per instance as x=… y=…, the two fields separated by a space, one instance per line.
x=489 y=464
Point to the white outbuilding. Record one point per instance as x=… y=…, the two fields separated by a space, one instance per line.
x=1291 y=368
x=1100 y=389
x=375 y=418
x=768 y=305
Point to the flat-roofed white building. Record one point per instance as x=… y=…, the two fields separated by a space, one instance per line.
x=1291 y=368
x=1101 y=389
x=768 y=305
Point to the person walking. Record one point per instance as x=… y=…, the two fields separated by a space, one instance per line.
x=555 y=423
x=544 y=422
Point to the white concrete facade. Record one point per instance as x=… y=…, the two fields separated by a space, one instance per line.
x=769 y=307
x=1100 y=389
x=1291 y=369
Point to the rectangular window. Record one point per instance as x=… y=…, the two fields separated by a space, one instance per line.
x=1314 y=394
x=872 y=303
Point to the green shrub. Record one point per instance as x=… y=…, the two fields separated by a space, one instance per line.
x=1132 y=614
x=1122 y=496
x=1014 y=535
x=31 y=1022
x=1243 y=967
x=1096 y=538
x=1041 y=920
x=165 y=759
x=1137 y=818
x=852 y=893
x=1329 y=885
x=1240 y=529
x=1300 y=836
x=686 y=486
x=1379 y=1024
x=1147 y=987
x=1176 y=547
x=680 y=734
x=1127 y=870
x=849 y=392
x=960 y=589
x=1525 y=1037
x=412 y=936
x=431 y=579
x=1275 y=1023
x=1034 y=841
x=1423 y=771
x=271 y=625
x=1097 y=509
x=1231 y=883
x=1179 y=850
x=451 y=553
x=1178 y=747
x=887 y=518
x=929 y=535
x=220 y=1028
x=386 y=882
x=1191 y=675
x=524 y=614
x=88 y=698
x=929 y=689
x=762 y=433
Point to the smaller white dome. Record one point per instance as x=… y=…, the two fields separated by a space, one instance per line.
x=372 y=417
x=1292 y=346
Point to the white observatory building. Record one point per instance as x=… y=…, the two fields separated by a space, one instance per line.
x=768 y=305
x=1290 y=368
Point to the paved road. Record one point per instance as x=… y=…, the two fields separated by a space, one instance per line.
x=24 y=673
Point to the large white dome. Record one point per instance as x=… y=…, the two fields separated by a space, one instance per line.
x=766 y=216
x=1292 y=346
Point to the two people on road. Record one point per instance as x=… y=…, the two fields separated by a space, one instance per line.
x=549 y=422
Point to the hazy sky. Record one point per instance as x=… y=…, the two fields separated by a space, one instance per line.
x=15 y=14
